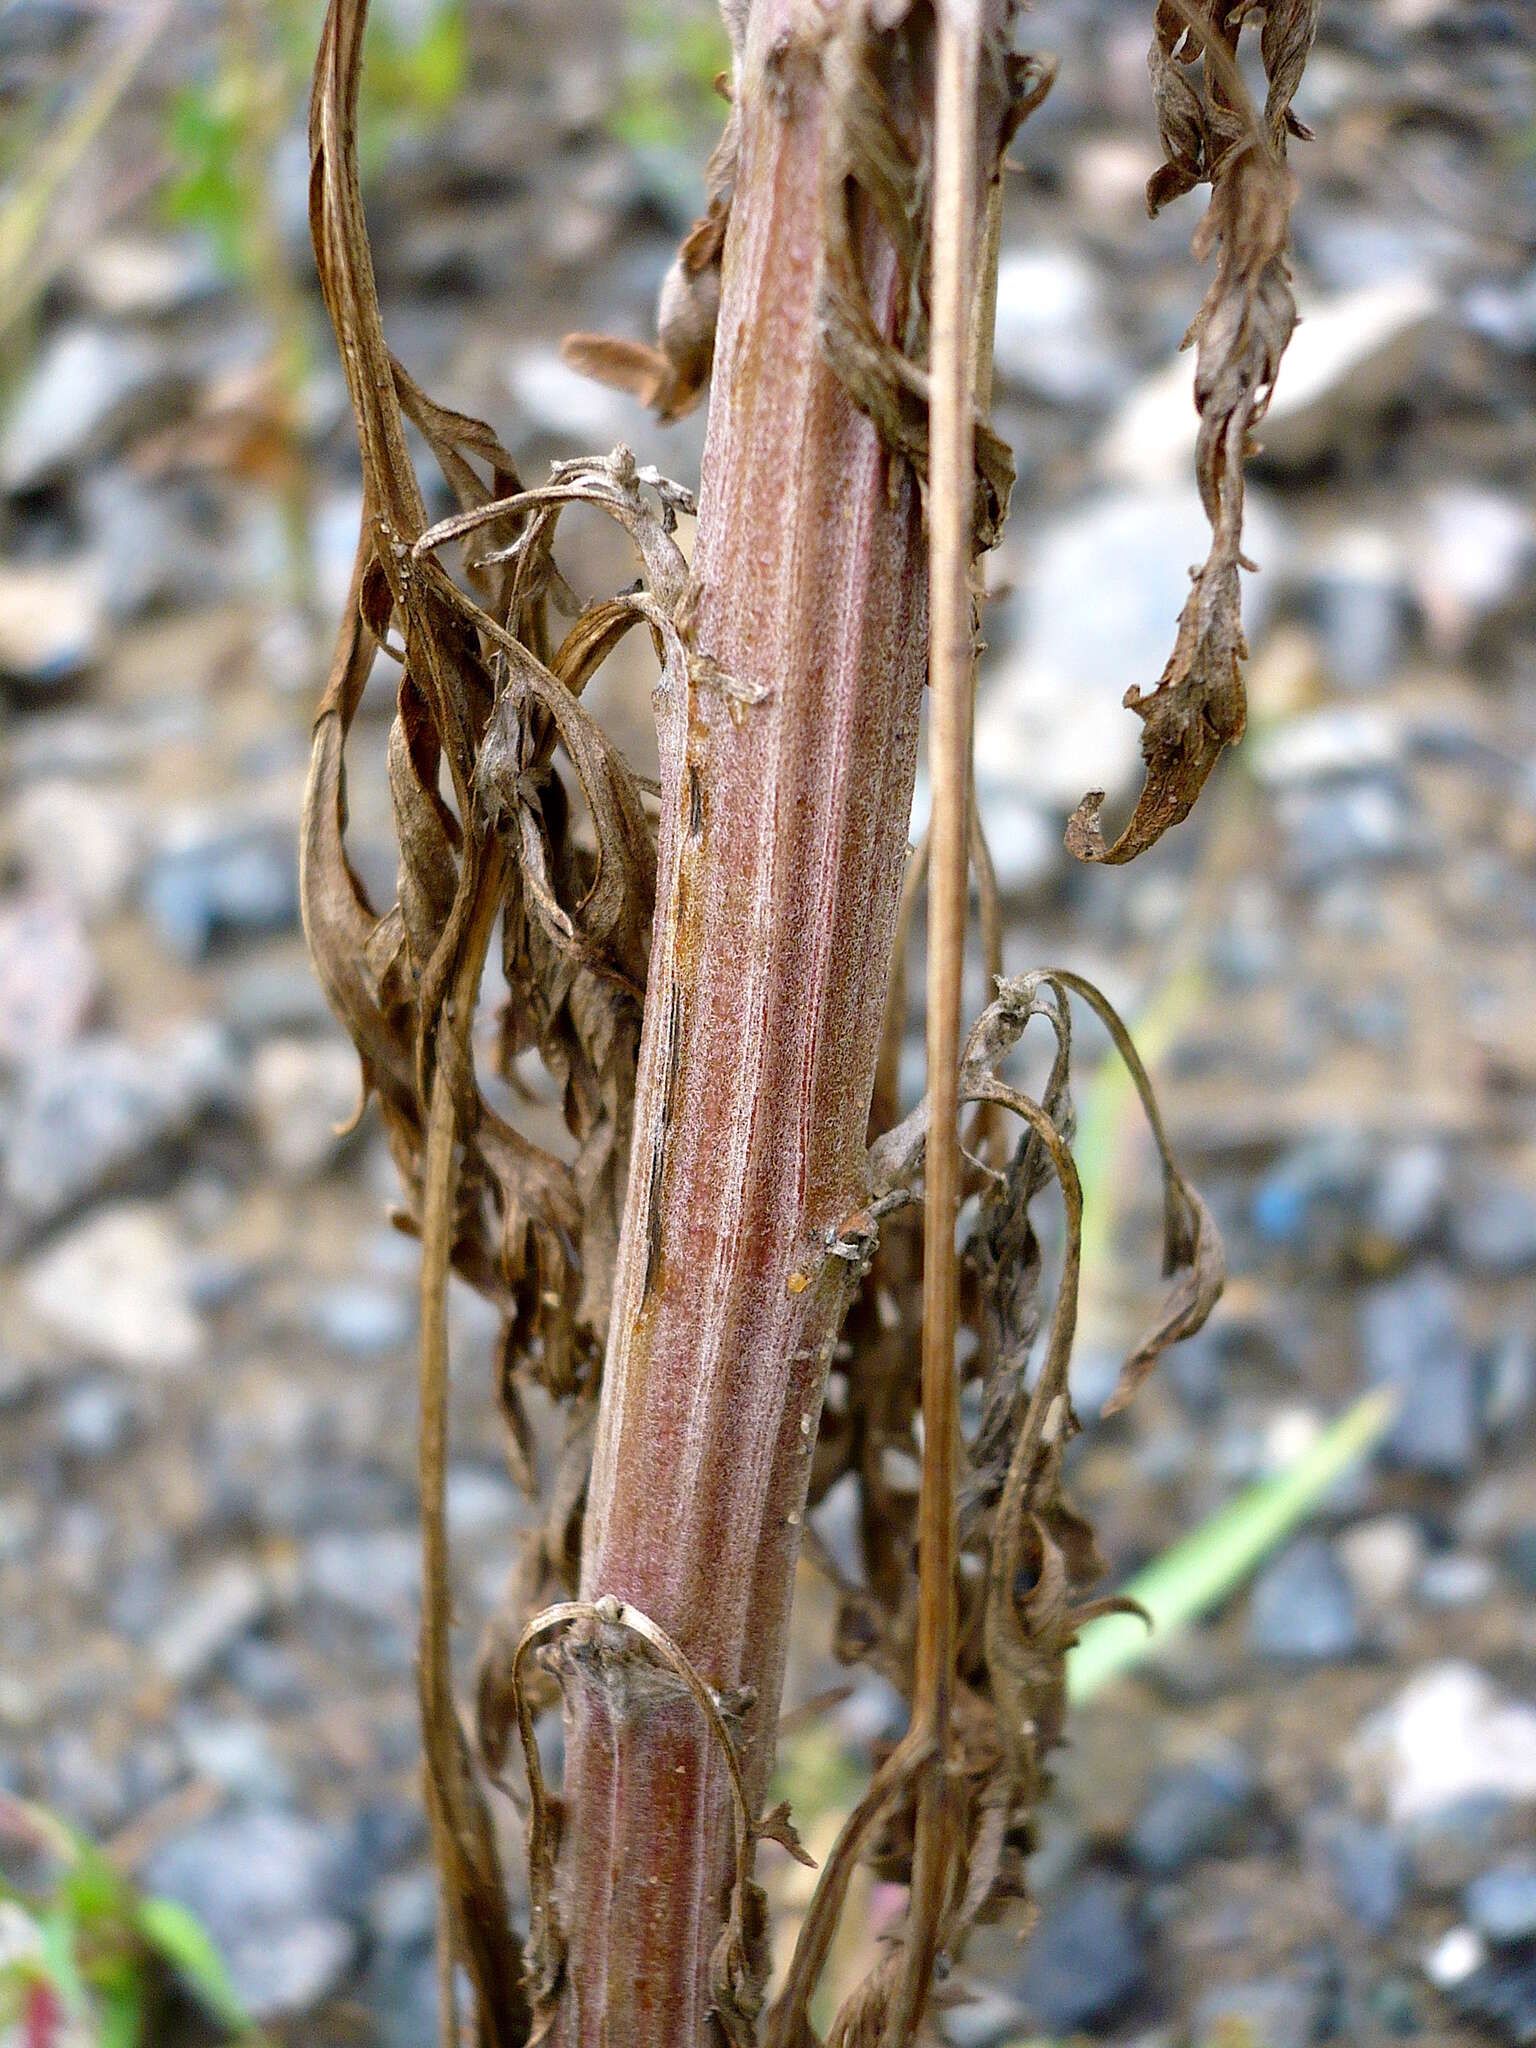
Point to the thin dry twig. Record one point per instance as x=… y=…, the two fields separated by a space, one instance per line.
x=951 y=551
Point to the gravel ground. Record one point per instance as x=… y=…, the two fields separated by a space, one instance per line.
x=1310 y=1818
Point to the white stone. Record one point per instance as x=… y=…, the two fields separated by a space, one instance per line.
x=75 y=839
x=1474 y=550
x=78 y=390
x=50 y=619
x=1348 y=357
x=209 y=1616
x=133 y=276
x=1096 y=611
x=1449 y=1735
x=1342 y=739
x=560 y=400
x=304 y=1093
x=1382 y=1558
x=1050 y=336
x=1454 y=1957
x=117 y=1286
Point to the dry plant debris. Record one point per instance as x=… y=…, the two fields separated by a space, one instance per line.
x=489 y=728
x=1212 y=135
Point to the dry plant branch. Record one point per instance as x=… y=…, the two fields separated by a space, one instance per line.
x=951 y=548
x=740 y=1298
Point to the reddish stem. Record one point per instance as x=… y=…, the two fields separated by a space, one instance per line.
x=783 y=832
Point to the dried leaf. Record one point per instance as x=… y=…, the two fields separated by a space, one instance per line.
x=672 y=376
x=1209 y=132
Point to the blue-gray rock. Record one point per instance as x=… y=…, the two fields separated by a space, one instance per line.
x=254 y=1866
x=146 y=558
x=1455 y=1579
x=170 y=546
x=1407 y=1196
x=268 y=997
x=1086 y=1958
x=229 y=1598
x=1473 y=557
x=1505 y=314
x=289 y=1969
x=88 y=387
x=1247 y=953
x=1520 y=1556
x=376 y=1575
x=1501 y=1903
x=1052 y=338
x=97 y=1114
x=1345 y=248
x=1310 y=1201
x=42 y=27
x=361 y=1320
x=95 y=1419
x=320 y=1491
x=222 y=883
x=1277 y=2012
x=1303 y=1607
x=238 y=1755
x=1449 y=1846
x=400 y=1993
x=139 y=1597
x=1501 y=1993
x=1507 y=1380
x=1359 y=823
x=1366 y=1867
x=1360 y=602
x=985 y=2017
x=1093 y=608
x=1378 y=1017
x=385 y=1833
x=272 y=1888
x=153 y=1767
x=403 y=1911
x=1393 y=2005
x=1411 y=1339
x=1493 y=1227
x=266 y=1675
x=83 y=1783
x=1194 y=1810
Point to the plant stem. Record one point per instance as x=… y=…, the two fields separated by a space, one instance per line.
x=950 y=540
x=783 y=832
x=463 y=1840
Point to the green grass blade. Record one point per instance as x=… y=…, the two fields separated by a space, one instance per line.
x=1198 y=1573
x=181 y=1938
x=121 y=2007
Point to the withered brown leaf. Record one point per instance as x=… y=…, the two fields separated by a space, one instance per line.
x=1210 y=133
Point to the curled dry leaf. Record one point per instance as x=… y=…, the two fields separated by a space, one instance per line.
x=877 y=161
x=1211 y=133
x=672 y=375
x=1028 y=1559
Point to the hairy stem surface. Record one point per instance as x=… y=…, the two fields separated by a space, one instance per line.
x=783 y=834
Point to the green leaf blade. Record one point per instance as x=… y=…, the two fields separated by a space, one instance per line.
x=1198 y=1573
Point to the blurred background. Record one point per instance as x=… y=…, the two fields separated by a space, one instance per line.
x=1303 y=1821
